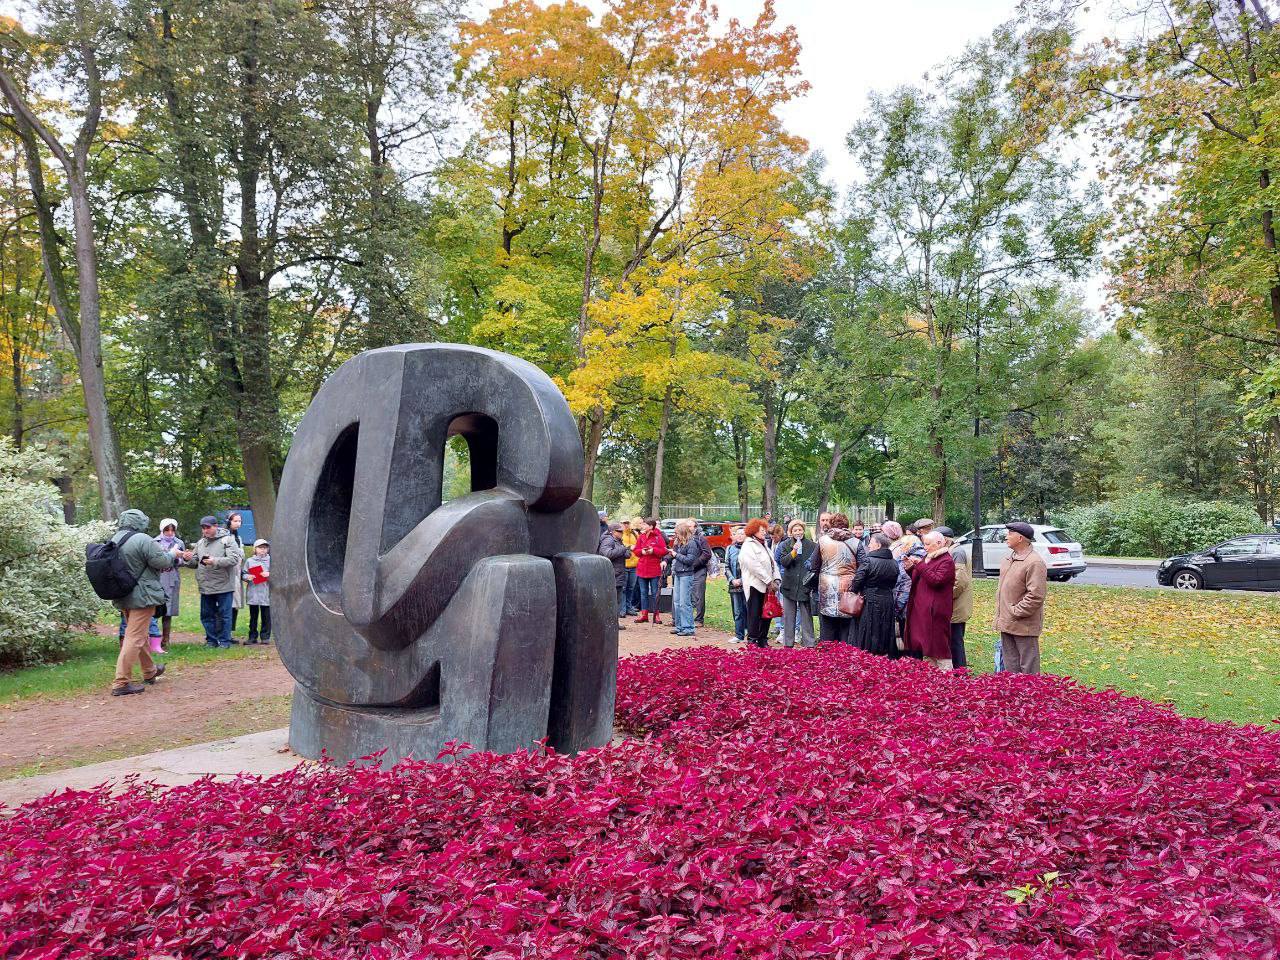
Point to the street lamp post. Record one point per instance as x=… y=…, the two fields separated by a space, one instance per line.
x=977 y=567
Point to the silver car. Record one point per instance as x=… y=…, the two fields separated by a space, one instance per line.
x=1062 y=555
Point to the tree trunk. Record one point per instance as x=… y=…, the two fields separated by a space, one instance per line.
x=84 y=331
x=257 y=409
x=740 y=445
x=377 y=271
x=770 y=478
x=837 y=454
x=591 y=450
x=102 y=435
x=67 y=490
x=659 y=458
x=19 y=394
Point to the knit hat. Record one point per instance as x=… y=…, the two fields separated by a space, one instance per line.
x=168 y=522
x=891 y=529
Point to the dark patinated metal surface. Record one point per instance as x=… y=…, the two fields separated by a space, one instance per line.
x=408 y=624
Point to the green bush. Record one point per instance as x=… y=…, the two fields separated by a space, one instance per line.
x=1151 y=524
x=44 y=594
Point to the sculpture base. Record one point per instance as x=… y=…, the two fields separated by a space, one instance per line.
x=345 y=734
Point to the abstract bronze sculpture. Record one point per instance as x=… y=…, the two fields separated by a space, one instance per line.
x=407 y=623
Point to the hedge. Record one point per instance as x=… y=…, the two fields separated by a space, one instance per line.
x=1151 y=524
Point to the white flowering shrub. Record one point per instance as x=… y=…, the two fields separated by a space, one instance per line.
x=44 y=595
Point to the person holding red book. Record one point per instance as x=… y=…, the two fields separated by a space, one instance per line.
x=257 y=591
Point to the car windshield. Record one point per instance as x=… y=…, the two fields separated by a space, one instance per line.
x=1055 y=536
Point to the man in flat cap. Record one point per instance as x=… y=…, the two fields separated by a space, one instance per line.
x=1024 y=581
x=218 y=558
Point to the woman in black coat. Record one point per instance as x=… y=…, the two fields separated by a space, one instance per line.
x=875 y=579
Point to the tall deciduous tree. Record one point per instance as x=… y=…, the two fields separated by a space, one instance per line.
x=78 y=31
x=600 y=138
x=1183 y=103
x=969 y=217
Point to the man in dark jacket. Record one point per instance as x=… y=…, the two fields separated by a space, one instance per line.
x=700 y=568
x=612 y=547
x=733 y=574
x=145 y=559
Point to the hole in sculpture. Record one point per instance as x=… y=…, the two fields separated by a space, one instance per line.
x=470 y=456
x=330 y=517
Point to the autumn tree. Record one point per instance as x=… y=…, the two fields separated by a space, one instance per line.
x=608 y=144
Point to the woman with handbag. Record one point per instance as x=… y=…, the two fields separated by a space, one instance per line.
x=760 y=581
x=875 y=581
x=837 y=603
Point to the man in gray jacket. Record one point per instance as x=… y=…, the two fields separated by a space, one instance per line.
x=218 y=557
x=145 y=559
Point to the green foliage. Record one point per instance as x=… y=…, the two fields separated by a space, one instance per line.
x=44 y=594
x=1150 y=523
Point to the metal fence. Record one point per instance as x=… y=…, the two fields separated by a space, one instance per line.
x=731 y=511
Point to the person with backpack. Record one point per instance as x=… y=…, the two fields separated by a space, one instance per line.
x=135 y=563
x=218 y=559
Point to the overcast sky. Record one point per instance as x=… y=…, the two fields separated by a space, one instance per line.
x=849 y=48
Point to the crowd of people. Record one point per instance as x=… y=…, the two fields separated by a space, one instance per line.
x=889 y=590
x=227 y=579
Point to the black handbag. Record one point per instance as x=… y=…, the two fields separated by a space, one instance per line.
x=811 y=577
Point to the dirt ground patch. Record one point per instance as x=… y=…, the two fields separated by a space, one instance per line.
x=194 y=704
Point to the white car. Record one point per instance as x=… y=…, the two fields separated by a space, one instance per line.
x=1062 y=555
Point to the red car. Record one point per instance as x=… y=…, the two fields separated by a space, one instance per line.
x=717 y=534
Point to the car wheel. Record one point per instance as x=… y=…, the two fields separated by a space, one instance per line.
x=1187 y=580
x=1059 y=578
x=719 y=552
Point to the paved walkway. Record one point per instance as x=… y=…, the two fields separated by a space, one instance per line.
x=265 y=753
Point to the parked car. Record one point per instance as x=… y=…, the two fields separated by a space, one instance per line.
x=1062 y=555
x=1242 y=563
x=716 y=532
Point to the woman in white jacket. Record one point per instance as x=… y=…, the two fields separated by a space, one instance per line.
x=760 y=576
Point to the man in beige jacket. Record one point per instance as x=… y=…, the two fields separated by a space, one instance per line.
x=1024 y=582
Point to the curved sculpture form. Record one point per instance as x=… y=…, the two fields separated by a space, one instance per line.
x=407 y=623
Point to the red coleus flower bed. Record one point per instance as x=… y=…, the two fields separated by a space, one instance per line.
x=773 y=804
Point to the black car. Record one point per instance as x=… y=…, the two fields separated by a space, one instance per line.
x=1243 y=563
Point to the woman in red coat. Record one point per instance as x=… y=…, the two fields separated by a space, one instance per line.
x=933 y=579
x=649 y=550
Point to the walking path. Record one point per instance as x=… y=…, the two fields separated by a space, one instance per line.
x=180 y=713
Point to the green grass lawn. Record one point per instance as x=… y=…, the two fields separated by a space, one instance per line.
x=91 y=665
x=1214 y=655
x=92 y=658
